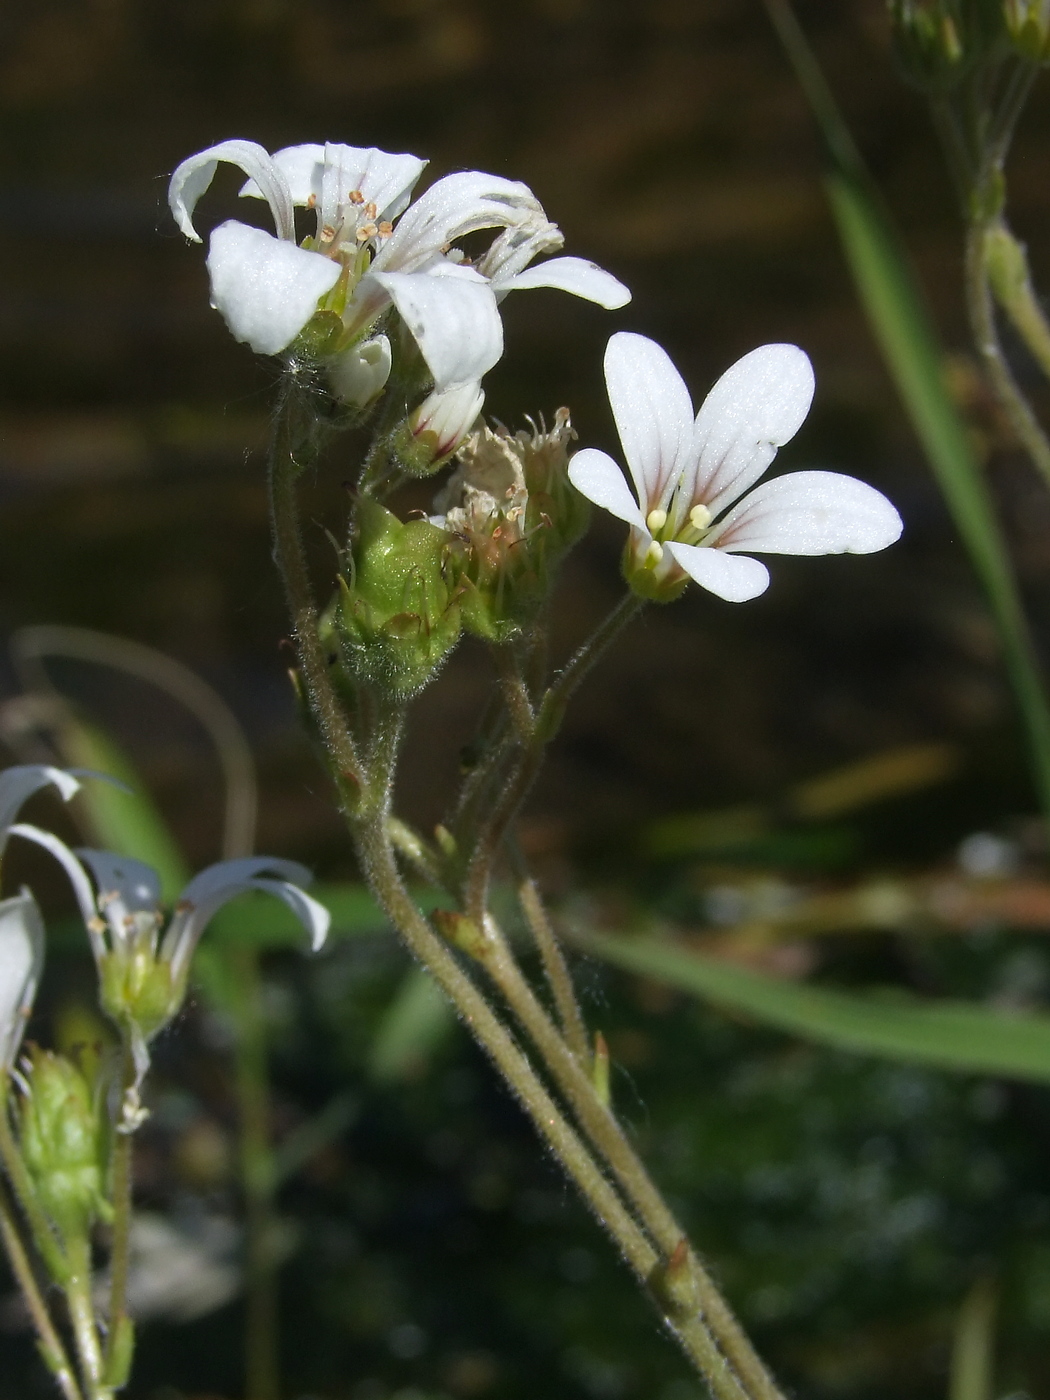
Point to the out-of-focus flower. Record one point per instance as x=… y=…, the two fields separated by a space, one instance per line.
x=357 y=263
x=687 y=473
x=21 y=961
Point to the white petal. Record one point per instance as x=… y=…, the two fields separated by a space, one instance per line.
x=85 y=895
x=212 y=888
x=577 y=275
x=733 y=577
x=758 y=404
x=453 y=207
x=194 y=175
x=452 y=314
x=653 y=412
x=18 y=784
x=513 y=249
x=21 y=962
x=266 y=290
x=596 y=476
x=311 y=913
x=384 y=180
x=137 y=883
x=810 y=513
x=357 y=375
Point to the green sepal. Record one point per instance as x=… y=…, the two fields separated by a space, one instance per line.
x=63 y=1137
x=397 y=614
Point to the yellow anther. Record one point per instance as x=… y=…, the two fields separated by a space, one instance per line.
x=386 y=228
x=700 y=516
x=654 y=554
x=656 y=520
x=370 y=211
x=327 y=233
x=356 y=197
x=365 y=232
x=311 y=203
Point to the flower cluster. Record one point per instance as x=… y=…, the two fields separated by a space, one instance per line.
x=380 y=278
x=142 y=961
x=371 y=249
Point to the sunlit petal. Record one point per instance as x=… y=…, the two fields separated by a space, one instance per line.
x=576 y=275
x=451 y=208
x=265 y=290
x=596 y=476
x=810 y=513
x=653 y=412
x=195 y=174
x=758 y=404
x=452 y=315
x=733 y=577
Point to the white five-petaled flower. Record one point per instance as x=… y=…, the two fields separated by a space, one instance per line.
x=686 y=472
x=371 y=249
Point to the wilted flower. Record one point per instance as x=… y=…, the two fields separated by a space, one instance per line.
x=511 y=514
x=143 y=965
x=686 y=473
x=356 y=263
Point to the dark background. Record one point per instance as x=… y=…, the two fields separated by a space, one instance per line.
x=670 y=143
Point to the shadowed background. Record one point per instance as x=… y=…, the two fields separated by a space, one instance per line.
x=671 y=145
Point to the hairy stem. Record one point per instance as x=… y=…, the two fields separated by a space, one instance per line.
x=51 y=1347
x=261 y=1342
x=121 y=1192
x=555 y=968
x=82 y=1317
x=602 y=1129
x=985 y=330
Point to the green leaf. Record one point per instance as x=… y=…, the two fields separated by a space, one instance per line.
x=419 y=1019
x=913 y=354
x=893 y=1025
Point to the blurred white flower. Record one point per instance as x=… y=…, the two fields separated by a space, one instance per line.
x=686 y=473
x=357 y=263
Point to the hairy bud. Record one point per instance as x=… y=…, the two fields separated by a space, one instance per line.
x=62 y=1135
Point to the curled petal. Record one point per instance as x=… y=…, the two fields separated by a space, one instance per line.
x=85 y=895
x=310 y=912
x=326 y=175
x=453 y=207
x=136 y=883
x=810 y=513
x=758 y=404
x=21 y=962
x=733 y=577
x=210 y=890
x=358 y=374
x=195 y=174
x=596 y=476
x=653 y=412
x=18 y=784
x=452 y=315
x=576 y=275
x=265 y=290
x=513 y=249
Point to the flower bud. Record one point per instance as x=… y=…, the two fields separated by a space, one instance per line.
x=1028 y=25
x=359 y=374
x=938 y=41
x=398 y=614
x=62 y=1136
x=512 y=514
x=434 y=430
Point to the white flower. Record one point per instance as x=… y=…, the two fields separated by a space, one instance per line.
x=686 y=473
x=21 y=961
x=267 y=288
x=434 y=429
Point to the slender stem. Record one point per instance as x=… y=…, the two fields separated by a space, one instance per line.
x=411 y=847
x=261 y=1338
x=378 y=864
x=985 y=331
x=121 y=1192
x=521 y=777
x=51 y=1347
x=608 y=1137
x=82 y=1316
x=291 y=560
x=1010 y=279
x=47 y=1244
x=515 y=692
x=556 y=969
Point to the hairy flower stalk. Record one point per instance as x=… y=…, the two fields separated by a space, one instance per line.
x=381 y=293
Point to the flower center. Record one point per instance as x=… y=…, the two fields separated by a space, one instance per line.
x=664 y=526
